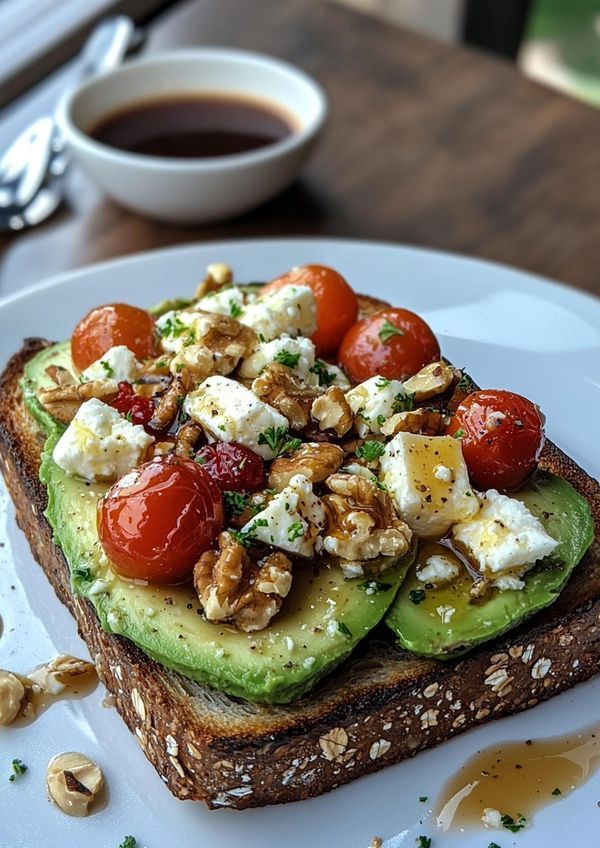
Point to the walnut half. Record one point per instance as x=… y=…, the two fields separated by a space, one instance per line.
x=361 y=522
x=332 y=411
x=232 y=587
x=431 y=380
x=315 y=460
x=427 y=422
x=281 y=389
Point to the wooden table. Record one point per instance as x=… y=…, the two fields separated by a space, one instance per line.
x=427 y=144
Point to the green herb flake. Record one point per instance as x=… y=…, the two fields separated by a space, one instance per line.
x=172 y=328
x=370 y=451
x=295 y=530
x=493 y=845
x=382 y=383
x=235 y=502
x=246 y=537
x=464 y=384
x=128 y=842
x=110 y=371
x=325 y=376
x=235 y=310
x=514 y=826
x=460 y=433
x=423 y=798
x=424 y=841
x=381 y=419
x=279 y=440
x=556 y=791
x=416 y=596
x=403 y=402
x=18 y=768
x=82 y=572
x=285 y=357
x=387 y=331
x=372 y=587
x=343 y=628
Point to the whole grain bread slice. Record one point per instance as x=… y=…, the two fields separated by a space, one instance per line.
x=381 y=706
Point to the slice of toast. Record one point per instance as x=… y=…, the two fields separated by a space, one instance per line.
x=380 y=706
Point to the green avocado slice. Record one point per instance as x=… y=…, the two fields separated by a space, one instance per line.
x=420 y=623
x=321 y=622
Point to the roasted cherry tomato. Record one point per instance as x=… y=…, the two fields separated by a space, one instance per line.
x=502 y=436
x=107 y=326
x=394 y=343
x=141 y=408
x=233 y=467
x=157 y=520
x=337 y=306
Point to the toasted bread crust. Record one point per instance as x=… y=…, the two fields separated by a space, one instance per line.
x=381 y=706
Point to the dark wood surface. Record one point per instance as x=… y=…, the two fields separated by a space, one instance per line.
x=427 y=144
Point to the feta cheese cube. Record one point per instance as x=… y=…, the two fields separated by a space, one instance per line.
x=292 y=519
x=177 y=329
x=373 y=402
x=99 y=444
x=227 y=301
x=429 y=505
x=504 y=537
x=290 y=310
x=229 y=412
x=298 y=354
x=118 y=363
x=438 y=570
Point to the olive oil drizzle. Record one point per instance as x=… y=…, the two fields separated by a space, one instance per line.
x=518 y=778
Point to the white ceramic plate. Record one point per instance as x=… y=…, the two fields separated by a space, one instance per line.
x=511 y=330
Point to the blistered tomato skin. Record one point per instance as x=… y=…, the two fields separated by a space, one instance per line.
x=235 y=468
x=502 y=437
x=111 y=325
x=337 y=305
x=394 y=343
x=157 y=520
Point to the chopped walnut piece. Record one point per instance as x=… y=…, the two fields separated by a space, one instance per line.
x=226 y=339
x=427 y=422
x=361 y=522
x=232 y=587
x=431 y=380
x=316 y=461
x=187 y=439
x=197 y=360
x=168 y=406
x=217 y=274
x=61 y=376
x=282 y=390
x=332 y=412
x=63 y=402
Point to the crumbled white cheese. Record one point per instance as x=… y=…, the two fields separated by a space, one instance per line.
x=118 y=363
x=492 y=817
x=374 y=401
x=226 y=301
x=291 y=520
x=99 y=444
x=177 y=329
x=438 y=570
x=504 y=537
x=441 y=472
x=291 y=310
x=229 y=412
x=298 y=354
x=428 y=504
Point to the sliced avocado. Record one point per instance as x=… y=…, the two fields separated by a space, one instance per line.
x=443 y=622
x=321 y=622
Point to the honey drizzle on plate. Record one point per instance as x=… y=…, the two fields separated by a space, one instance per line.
x=518 y=778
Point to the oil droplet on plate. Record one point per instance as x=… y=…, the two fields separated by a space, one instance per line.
x=518 y=778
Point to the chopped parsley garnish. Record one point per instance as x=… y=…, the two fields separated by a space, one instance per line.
x=19 y=768
x=235 y=502
x=246 y=537
x=235 y=310
x=382 y=383
x=380 y=485
x=110 y=371
x=279 y=440
x=381 y=419
x=493 y=845
x=424 y=842
x=128 y=842
x=295 y=530
x=514 y=826
x=285 y=357
x=416 y=596
x=129 y=415
x=82 y=572
x=464 y=384
x=423 y=798
x=403 y=402
x=556 y=791
x=370 y=451
x=326 y=377
x=388 y=330
x=373 y=586
x=343 y=628
x=172 y=327
x=459 y=433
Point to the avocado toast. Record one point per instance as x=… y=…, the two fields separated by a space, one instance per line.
x=381 y=705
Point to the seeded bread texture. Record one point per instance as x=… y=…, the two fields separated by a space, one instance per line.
x=381 y=706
